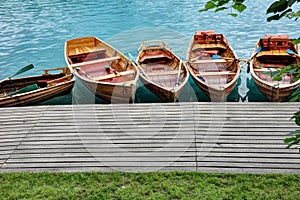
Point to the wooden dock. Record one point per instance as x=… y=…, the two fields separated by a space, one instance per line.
x=206 y=137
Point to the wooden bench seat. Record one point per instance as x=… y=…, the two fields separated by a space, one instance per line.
x=208 y=46
x=81 y=51
x=209 y=61
x=113 y=75
x=266 y=69
x=173 y=72
x=215 y=73
x=95 y=61
x=273 y=53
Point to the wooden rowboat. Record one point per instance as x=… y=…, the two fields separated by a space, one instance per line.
x=270 y=54
x=161 y=71
x=105 y=71
x=35 y=89
x=213 y=64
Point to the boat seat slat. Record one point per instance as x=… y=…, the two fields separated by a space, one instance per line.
x=266 y=69
x=208 y=46
x=273 y=53
x=215 y=73
x=108 y=76
x=84 y=51
x=209 y=61
x=173 y=72
x=95 y=61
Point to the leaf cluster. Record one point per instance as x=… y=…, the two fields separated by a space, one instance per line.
x=278 y=9
x=291 y=70
x=282 y=8
x=294 y=71
x=220 y=5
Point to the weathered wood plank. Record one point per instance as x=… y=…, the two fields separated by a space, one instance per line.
x=221 y=137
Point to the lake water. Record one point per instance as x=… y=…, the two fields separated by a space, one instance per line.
x=35 y=31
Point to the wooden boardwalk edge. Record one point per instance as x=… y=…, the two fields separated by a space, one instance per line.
x=205 y=137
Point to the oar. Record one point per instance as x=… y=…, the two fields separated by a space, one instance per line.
x=291 y=52
x=259 y=49
x=216 y=57
x=142 y=70
x=24 y=69
x=178 y=75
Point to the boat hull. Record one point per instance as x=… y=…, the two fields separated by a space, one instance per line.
x=271 y=56
x=215 y=93
x=161 y=71
x=275 y=93
x=102 y=69
x=220 y=87
x=38 y=95
x=111 y=93
x=162 y=93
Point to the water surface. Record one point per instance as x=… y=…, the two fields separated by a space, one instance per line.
x=35 y=31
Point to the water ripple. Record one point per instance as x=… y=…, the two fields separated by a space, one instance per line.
x=35 y=31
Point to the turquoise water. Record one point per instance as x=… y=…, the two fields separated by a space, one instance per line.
x=35 y=31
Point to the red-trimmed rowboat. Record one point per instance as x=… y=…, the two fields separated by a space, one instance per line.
x=35 y=89
x=161 y=71
x=104 y=70
x=272 y=56
x=213 y=64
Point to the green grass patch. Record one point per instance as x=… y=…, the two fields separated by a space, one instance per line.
x=154 y=185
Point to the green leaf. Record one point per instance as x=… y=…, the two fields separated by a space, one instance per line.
x=291 y=2
x=291 y=144
x=233 y=14
x=238 y=1
x=239 y=7
x=296 y=115
x=286 y=12
x=297 y=120
x=210 y=5
x=288 y=140
x=272 y=7
x=296 y=41
x=203 y=10
x=296 y=79
x=296 y=133
x=222 y=2
x=278 y=6
x=294 y=99
x=274 y=17
x=220 y=9
x=289 y=67
x=296 y=93
x=277 y=78
x=283 y=71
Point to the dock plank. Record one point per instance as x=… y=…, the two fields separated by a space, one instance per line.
x=203 y=136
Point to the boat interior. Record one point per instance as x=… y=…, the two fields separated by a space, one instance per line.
x=17 y=86
x=274 y=56
x=161 y=67
x=206 y=59
x=265 y=67
x=99 y=62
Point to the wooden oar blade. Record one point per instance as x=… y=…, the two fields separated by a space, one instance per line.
x=24 y=69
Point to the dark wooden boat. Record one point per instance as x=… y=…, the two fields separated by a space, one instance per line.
x=104 y=70
x=270 y=54
x=35 y=89
x=161 y=71
x=213 y=64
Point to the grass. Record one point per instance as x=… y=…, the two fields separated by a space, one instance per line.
x=154 y=185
